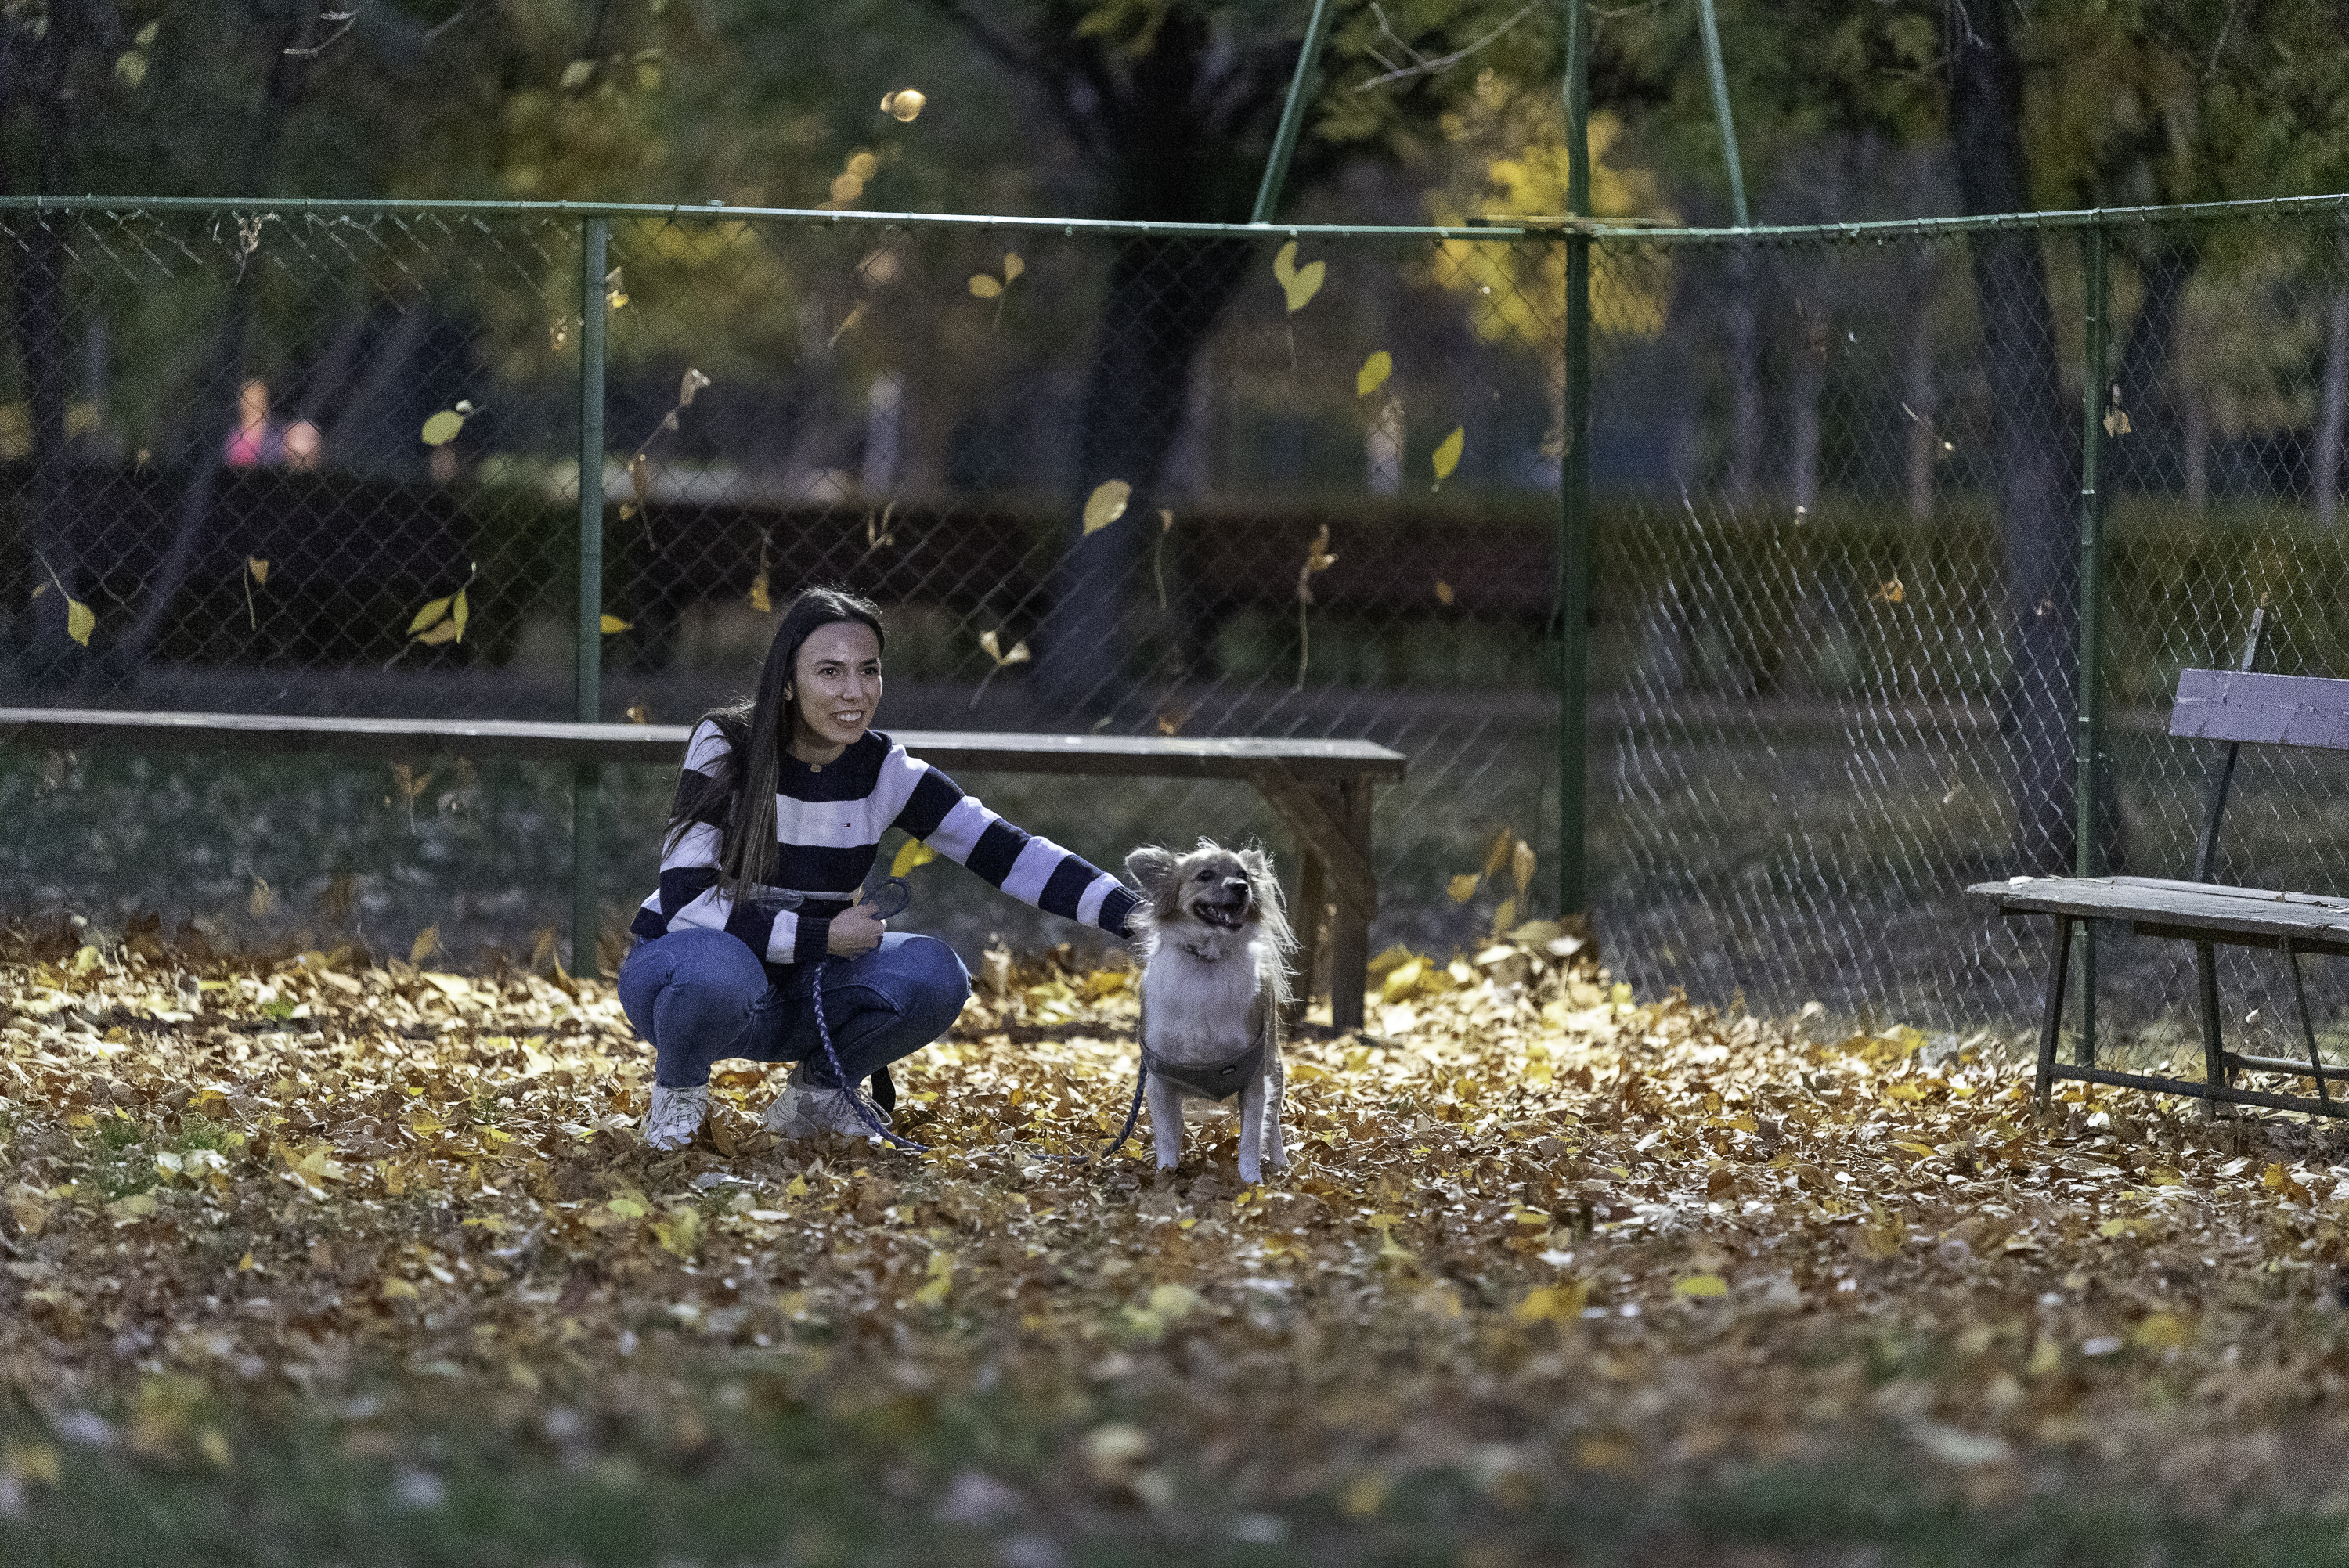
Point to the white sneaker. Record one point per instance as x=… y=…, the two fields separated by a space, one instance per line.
x=804 y=1110
x=676 y=1114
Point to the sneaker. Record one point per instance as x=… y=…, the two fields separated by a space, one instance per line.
x=804 y=1110
x=676 y=1114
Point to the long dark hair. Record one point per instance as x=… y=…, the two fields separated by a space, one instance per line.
x=757 y=728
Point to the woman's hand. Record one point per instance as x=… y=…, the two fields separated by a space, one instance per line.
x=855 y=931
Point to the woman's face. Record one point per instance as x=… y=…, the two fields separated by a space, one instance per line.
x=834 y=688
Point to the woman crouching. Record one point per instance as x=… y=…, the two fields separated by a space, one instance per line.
x=782 y=808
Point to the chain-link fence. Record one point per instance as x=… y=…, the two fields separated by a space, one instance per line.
x=1837 y=508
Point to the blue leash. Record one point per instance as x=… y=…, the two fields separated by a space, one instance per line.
x=891 y=899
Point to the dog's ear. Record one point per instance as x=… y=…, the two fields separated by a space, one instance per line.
x=1259 y=866
x=1150 y=866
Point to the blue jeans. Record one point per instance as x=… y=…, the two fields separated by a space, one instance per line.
x=700 y=996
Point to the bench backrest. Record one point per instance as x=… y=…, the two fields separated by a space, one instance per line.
x=2261 y=709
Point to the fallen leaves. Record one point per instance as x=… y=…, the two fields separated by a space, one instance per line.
x=1642 y=1235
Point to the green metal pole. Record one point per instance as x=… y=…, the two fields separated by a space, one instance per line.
x=1572 y=593
x=1292 y=115
x=586 y=781
x=2086 y=856
x=1718 y=75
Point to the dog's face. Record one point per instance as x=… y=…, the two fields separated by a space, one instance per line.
x=1225 y=888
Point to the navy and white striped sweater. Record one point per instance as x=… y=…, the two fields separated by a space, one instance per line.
x=829 y=822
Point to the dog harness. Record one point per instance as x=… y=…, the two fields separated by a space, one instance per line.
x=1208 y=1080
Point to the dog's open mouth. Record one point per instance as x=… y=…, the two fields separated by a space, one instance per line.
x=1225 y=916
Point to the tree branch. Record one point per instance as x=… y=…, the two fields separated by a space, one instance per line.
x=1427 y=68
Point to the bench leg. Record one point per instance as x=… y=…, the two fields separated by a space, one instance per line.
x=1305 y=916
x=2051 y=1021
x=2214 y=1055
x=2307 y=1029
x=1350 y=933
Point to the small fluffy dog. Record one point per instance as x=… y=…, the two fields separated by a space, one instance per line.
x=1214 y=949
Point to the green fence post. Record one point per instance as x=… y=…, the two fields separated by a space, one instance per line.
x=1717 y=73
x=1292 y=115
x=1572 y=593
x=588 y=779
x=2086 y=859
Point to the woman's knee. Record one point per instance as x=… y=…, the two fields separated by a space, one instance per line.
x=932 y=974
x=702 y=970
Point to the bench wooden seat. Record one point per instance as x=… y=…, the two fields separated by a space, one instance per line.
x=2241 y=707
x=1322 y=790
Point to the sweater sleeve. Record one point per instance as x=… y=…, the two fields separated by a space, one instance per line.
x=1031 y=868
x=689 y=896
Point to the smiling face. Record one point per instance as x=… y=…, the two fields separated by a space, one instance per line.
x=835 y=688
x=1214 y=889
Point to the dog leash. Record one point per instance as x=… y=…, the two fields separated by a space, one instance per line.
x=894 y=894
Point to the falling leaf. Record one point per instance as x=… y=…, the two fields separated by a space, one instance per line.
x=1497 y=853
x=80 y=621
x=445 y=632
x=638 y=712
x=1890 y=591
x=984 y=285
x=1444 y=592
x=615 y=292
x=848 y=324
x=259 y=568
x=2116 y=422
x=904 y=104
x=911 y=853
x=1172 y=720
x=1012 y=265
x=1018 y=655
x=442 y=427
x=1298 y=285
x=1447 y=454
x=612 y=623
x=262 y=901
x=1106 y=504
x=1464 y=887
x=761 y=599
x=1521 y=867
x=576 y=73
x=432 y=612
x=687 y=389
x=1505 y=916
x=427 y=940
x=1374 y=374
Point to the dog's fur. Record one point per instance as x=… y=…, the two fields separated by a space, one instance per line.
x=1214 y=944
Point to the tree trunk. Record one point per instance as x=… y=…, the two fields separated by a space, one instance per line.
x=2333 y=410
x=1745 y=348
x=1165 y=298
x=2146 y=458
x=2032 y=451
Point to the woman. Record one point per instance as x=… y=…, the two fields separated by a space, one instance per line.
x=782 y=807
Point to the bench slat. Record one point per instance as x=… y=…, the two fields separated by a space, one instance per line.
x=2262 y=709
x=409 y=739
x=2189 y=906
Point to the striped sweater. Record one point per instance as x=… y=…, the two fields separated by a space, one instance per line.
x=829 y=822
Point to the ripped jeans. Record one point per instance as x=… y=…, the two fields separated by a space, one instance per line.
x=702 y=996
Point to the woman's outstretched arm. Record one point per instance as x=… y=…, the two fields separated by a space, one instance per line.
x=1031 y=868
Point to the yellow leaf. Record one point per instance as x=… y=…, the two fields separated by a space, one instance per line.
x=1012 y=265
x=1443 y=594
x=911 y=853
x=1106 y=504
x=575 y=75
x=1402 y=981
x=1464 y=887
x=80 y=621
x=1521 y=866
x=87 y=959
x=2161 y=1331
x=427 y=616
x=1505 y=916
x=612 y=623
x=1447 y=456
x=1374 y=374
x=459 y=614
x=1704 y=1285
x=442 y=427
x=1018 y=655
x=398 y=1290
x=1554 y=1303
x=759 y=599
x=641 y=482
x=446 y=631
x=259 y=568
x=1284 y=264
x=993 y=645
x=984 y=285
x=1496 y=855
x=1303 y=285
x=426 y=941
x=629 y=1206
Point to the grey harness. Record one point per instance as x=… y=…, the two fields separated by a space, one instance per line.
x=1208 y=1080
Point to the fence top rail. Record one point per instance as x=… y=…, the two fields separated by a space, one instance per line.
x=406 y=739
x=1496 y=231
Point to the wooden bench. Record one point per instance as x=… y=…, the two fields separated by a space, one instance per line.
x=2238 y=708
x=1320 y=789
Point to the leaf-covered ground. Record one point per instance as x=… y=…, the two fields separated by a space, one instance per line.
x=309 y=1257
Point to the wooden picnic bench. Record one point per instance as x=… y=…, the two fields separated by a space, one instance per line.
x=1320 y=788
x=2240 y=707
